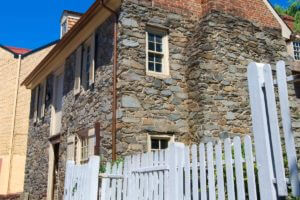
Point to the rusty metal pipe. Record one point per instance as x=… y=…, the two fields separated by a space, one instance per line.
x=114 y=73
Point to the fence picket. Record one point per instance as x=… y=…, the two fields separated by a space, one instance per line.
x=250 y=168
x=151 y=185
x=238 y=161
x=220 y=174
x=260 y=130
x=229 y=170
x=195 y=172
x=180 y=161
x=161 y=176
x=287 y=128
x=125 y=180
x=114 y=182
x=211 y=171
x=202 y=172
x=172 y=173
x=187 y=173
x=167 y=178
x=119 y=181
x=156 y=183
x=274 y=132
x=131 y=179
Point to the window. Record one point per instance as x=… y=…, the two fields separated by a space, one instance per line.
x=84 y=143
x=39 y=101
x=78 y=70
x=157 y=53
x=87 y=71
x=56 y=114
x=296 y=46
x=159 y=142
x=63 y=28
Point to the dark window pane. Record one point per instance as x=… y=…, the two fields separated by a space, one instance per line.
x=151 y=66
x=158 y=58
x=151 y=37
x=151 y=57
x=151 y=46
x=158 y=47
x=163 y=144
x=158 y=39
x=154 y=144
x=158 y=67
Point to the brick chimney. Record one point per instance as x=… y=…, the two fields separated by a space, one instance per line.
x=68 y=20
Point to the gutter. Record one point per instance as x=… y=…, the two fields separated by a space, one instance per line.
x=14 y=123
x=114 y=74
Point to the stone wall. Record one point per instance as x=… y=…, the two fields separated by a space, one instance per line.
x=221 y=48
x=148 y=104
x=80 y=112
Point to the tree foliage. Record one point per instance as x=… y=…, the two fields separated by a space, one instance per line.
x=293 y=10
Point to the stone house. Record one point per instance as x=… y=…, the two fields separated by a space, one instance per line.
x=134 y=75
x=15 y=65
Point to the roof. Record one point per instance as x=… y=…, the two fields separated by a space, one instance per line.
x=289 y=20
x=18 y=50
x=79 y=32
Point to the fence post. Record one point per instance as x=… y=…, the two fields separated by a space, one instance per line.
x=260 y=129
x=287 y=128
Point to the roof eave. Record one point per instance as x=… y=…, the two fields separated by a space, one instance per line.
x=33 y=78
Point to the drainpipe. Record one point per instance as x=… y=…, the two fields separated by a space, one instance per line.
x=14 y=123
x=114 y=73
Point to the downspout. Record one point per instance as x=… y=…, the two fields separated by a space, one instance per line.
x=14 y=123
x=114 y=73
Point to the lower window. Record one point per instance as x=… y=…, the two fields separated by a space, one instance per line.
x=159 y=142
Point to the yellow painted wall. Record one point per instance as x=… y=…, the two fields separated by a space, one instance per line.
x=19 y=129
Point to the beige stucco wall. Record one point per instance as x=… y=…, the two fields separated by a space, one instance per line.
x=14 y=125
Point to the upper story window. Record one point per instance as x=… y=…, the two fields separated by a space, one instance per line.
x=39 y=101
x=157 y=53
x=56 y=115
x=85 y=65
x=296 y=46
x=63 y=28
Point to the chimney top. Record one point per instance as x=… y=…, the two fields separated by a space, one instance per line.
x=68 y=20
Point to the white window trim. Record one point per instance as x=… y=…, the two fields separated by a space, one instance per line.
x=78 y=67
x=53 y=112
x=165 y=46
x=61 y=30
x=171 y=139
x=91 y=43
x=294 y=56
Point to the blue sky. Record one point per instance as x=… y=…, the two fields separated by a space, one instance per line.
x=33 y=23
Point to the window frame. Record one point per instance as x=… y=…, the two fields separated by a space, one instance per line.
x=57 y=73
x=294 y=50
x=165 y=52
x=64 y=25
x=39 y=101
x=88 y=78
x=170 y=138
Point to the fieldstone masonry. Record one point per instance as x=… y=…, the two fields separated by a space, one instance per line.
x=205 y=97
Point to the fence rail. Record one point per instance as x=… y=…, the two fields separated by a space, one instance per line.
x=184 y=173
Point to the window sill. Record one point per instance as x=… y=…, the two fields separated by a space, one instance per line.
x=158 y=75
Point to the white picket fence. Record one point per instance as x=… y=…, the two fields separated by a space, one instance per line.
x=81 y=181
x=221 y=170
x=182 y=173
